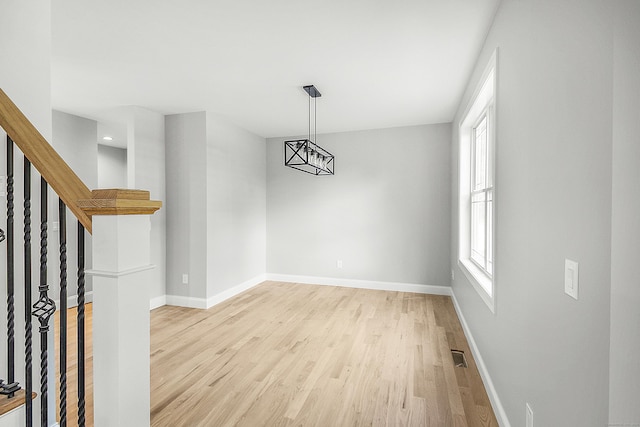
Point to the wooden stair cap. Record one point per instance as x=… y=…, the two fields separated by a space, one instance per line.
x=117 y=201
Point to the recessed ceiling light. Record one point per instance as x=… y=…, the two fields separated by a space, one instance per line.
x=107 y=138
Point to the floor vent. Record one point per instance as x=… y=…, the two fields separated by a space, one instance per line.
x=458 y=358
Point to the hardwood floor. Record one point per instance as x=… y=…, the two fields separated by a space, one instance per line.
x=72 y=367
x=286 y=354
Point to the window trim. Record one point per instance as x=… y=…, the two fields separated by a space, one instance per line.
x=481 y=103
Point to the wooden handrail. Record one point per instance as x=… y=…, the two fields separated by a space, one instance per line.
x=62 y=179
x=44 y=158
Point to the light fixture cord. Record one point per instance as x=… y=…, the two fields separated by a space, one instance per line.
x=309 y=133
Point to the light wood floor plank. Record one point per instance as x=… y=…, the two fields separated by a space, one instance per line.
x=286 y=354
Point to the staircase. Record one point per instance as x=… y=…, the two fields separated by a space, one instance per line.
x=118 y=221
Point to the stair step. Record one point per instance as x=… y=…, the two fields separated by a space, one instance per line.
x=9 y=404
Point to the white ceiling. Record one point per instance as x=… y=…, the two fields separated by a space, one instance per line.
x=377 y=63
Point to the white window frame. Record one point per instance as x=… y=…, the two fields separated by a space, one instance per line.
x=482 y=104
x=486 y=115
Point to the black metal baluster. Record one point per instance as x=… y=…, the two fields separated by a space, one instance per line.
x=44 y=308
x=62 y=218
x=11 y=387
x=10 y=269
x=28 y=388
x=80 y=327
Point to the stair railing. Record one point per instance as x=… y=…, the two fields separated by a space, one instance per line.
x=73 y=194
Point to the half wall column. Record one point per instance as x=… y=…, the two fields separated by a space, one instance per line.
x=121 y=273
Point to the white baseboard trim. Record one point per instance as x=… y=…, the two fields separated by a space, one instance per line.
x=189 y=302
x=205 y=303
x=362 y=284
x=158 y=301
x=498 y=409
x=225 y=295
x=72 y=301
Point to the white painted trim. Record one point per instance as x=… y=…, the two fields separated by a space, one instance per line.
x=15 y=417
x=479 y=281
x=190 y=302
x=498 y=409
x=72 y=300
x=362 y=284
x=115 y=274
x=229 y=293
x=481 y=100
x=158 y=301
x=203 y=303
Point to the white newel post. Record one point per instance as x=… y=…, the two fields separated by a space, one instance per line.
x=121 y=274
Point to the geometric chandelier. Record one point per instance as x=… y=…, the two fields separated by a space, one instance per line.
x=304 y=154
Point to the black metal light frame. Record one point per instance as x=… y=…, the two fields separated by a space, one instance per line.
x=297 y=155
x=304 y=154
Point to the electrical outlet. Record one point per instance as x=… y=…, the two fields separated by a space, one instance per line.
x=529 y=416
x=55 y=226
x=185 y=279
x=453 y=275
x=339 y=263
x=571 y=278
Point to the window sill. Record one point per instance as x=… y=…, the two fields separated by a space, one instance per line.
x=479 y=281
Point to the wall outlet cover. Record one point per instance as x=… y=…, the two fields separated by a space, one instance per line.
x=571 y=278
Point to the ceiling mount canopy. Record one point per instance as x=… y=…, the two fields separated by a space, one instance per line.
x=304 y=154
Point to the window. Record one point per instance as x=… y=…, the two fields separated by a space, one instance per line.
x=476 y=185
x=481 y=198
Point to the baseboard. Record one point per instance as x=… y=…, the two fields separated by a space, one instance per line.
x=229 y=293
x=205 y=303
x=498 y=409
x=72 y=301
x=158 y=301
x=189 y=302
x=362 y=284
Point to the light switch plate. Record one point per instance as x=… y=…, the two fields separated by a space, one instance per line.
x=571 y=278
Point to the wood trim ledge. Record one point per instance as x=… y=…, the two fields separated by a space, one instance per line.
x=119 y=202
x=8 y=405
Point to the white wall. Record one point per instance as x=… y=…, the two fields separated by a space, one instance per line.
x=186 y=163
x=25 y=76
x=76 y=141
x=236 y=205
x=553 y=198
x=112 y=167
x=25 y=71
x=215 y=207
x=385 y=213
x=146 y=171
x=624 y=381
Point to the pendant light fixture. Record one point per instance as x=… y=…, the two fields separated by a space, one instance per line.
x=304 y=154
